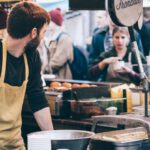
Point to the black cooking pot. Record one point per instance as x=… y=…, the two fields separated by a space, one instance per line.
x=66 y=139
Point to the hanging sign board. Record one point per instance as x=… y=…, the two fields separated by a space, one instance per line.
x=125 y=12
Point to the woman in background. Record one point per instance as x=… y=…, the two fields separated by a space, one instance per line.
x=105 y=65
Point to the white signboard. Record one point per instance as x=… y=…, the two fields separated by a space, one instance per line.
x=128 y=11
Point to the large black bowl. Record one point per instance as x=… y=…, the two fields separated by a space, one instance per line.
x=67 y=139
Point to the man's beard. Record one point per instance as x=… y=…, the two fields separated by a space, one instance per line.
x=32 y=45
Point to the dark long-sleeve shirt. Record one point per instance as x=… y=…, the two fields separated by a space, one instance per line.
x=95 y=73
x=15 y=75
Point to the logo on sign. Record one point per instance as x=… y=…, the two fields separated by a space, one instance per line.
x=128 y=3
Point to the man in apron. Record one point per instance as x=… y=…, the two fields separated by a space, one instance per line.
x=20 y=73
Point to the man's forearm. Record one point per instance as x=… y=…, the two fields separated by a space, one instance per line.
x=44 y=119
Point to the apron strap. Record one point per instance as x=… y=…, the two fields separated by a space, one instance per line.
x=26 y=67
x=4 y=59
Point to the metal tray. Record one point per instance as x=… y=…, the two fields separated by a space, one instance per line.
x=111 y=84
x=107 y=141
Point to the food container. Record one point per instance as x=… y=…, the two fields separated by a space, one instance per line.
x=79 y=101
x=84 y=109
x=60 y=139
x=58 y=107
x=118 y=65
x=91 y=107
x=111 y=110
x=87 y=93
x=129 y=139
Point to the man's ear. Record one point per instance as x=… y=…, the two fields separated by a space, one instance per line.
x=33 y=33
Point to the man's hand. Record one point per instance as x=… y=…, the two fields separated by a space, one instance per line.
x=43 y=119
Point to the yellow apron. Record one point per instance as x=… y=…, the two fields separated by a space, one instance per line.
x=11 y=100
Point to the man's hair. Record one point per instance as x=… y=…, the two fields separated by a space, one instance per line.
x=25 y=16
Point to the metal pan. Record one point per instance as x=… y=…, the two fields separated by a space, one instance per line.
x=60 y=139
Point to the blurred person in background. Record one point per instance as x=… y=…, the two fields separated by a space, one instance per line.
x=96 y=44
x=20 y=67
x=102 y=40
x=101 y=20
x=145 y=33
x=57 y=48
x=3 y=20
x=105 y=63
